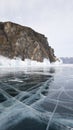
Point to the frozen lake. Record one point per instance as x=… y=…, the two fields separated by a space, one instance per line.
x=36 y=99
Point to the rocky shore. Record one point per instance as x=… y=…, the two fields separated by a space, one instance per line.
x=24 y=42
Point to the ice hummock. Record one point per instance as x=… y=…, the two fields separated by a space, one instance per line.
x=17 y=62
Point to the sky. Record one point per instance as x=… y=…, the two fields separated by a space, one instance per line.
x=53 y=18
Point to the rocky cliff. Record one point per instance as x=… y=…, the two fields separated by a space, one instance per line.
x=21 y=41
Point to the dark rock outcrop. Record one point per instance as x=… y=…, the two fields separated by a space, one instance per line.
x=21 y=41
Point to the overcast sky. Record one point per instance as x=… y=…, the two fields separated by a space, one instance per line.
x=54 y=18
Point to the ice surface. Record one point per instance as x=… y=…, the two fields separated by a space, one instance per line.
x=36 y=99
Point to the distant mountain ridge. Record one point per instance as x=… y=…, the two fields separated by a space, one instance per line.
x=23 y=42
x=67 y=60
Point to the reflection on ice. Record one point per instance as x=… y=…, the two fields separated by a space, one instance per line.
x=36 y=99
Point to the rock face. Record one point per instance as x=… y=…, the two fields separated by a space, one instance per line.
x=21 y=41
